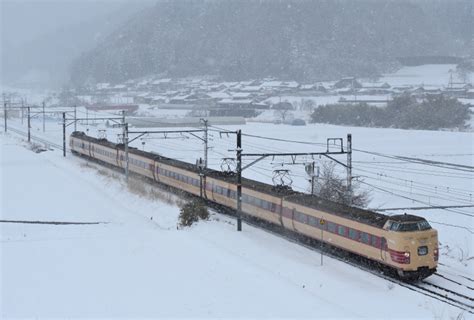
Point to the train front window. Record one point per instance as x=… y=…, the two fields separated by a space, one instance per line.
x=424 y=225
x=410 y=226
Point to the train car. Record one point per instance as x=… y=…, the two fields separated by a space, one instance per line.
x=405 y=243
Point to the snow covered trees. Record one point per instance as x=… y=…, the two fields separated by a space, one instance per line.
x=191 y=212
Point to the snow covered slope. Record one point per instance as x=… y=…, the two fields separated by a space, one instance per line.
x=137 y=264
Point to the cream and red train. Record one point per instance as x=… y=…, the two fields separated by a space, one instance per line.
x=405 y=243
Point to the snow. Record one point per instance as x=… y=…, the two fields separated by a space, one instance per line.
x=139 y=265
x=429 y=74
x=135 y=267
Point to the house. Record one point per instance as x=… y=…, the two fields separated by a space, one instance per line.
x=348 y=82
x=470 y=94
x=458 y=90
x=232 y=108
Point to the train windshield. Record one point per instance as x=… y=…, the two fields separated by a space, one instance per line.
x=410 y=226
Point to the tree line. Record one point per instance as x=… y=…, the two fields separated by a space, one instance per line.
x=432 y=112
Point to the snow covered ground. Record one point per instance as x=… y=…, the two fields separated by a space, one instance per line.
x=436 y=75
x=139 y=265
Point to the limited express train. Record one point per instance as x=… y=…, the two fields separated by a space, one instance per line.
x=405 y=243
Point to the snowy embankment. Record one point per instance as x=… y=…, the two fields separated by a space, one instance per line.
x=139 y=265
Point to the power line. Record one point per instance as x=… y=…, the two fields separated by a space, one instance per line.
x=412 y=199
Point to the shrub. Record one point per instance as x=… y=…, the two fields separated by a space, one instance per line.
x=191 y=212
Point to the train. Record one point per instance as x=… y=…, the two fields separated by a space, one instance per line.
x=404 y=243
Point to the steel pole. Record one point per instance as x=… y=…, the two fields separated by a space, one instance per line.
x=5 y=115
x=126 y=151
x=29 y=125
x=43 y=118
x=349 y=168
x=64 y=134
x=75 y=118
x=239 y=180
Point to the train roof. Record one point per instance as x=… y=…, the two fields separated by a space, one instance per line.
x=364 y=216
x=406 y=218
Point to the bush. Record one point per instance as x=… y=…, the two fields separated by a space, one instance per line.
x=191 y=212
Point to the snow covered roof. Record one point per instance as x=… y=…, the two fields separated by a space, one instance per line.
x=231 y=101
x=102 y=85
x=251 y=88
x=240 y=95
x=218 y=95
x=271 y=84
x=161 y=81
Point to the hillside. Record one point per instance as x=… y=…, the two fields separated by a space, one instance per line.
x=302 y=40
x=40 y=40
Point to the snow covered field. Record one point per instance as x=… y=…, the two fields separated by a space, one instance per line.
x=134 y=266
x=137 y=264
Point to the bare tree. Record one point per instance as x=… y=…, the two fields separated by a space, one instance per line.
x=282 y=109
x=334 y=188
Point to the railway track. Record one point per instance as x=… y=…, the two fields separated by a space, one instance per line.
x=37 y=139
x=457 y=298
x=449 y=296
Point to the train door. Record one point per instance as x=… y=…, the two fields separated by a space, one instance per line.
x=383 y=249
x=154 y=168
x=203 y=186
x=279 y=208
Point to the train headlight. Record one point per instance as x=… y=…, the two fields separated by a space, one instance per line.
x=407 y=254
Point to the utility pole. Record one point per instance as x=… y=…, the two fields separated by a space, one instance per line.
x=75 y=117
x=29 y=126
x=205 y=138
x=43 y=118
x=64 y=133
x=239 y=180
x=322 y=222
x=201 y=175
x=125 y=141
x=5 y=113
x=349 y=167
x=22 y=110
x=126 y=150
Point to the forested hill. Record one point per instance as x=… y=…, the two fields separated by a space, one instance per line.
x=297 y=39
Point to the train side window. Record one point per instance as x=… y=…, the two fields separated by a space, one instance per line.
x=312 y=221
x=375 y=241
x=331 y=227
x=365 y=237
x=353 y=234
x=273 y=207
x=341 y=230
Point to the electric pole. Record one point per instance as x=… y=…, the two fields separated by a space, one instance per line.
x=239 y=180
x=29 y=126
x=125 y=141
x=349 y=168
x=44 y=117
x=22 y=110
x=5 y=113
x=75 y=118
x=64 y=133
x=126 y=150
x=205 y=138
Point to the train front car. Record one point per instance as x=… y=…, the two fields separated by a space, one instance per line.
x=411 y=246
